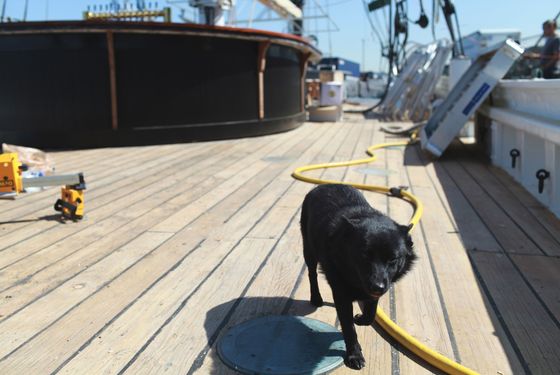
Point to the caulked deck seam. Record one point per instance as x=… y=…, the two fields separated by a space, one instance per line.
x=143 y=319
x=140 y=199
x=89 y=296
x=396 y=348
x=88 y=342
x=129 y=267
x=201 y=356
x=509 y=188
x=488 y=294
x=530 y=203
x=499 y=316
x=95 y=209
x=298 y=282
x=508 y=256
x=511 y=217
x=440 y=198
x=223 y=259
x=76 y=233
x=445 y=312
x=29 y=201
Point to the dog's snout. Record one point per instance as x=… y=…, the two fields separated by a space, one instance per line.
x=379 y=287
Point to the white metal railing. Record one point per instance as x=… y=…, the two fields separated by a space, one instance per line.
x=525 y=133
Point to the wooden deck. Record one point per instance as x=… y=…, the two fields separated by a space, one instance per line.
x=181 y=242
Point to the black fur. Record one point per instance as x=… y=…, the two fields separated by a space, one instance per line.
x=360 y=250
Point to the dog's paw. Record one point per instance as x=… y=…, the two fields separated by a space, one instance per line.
x=362 y=320
x=316 y=301
x=355 y=360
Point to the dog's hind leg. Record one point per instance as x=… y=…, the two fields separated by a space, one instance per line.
x=311 y=262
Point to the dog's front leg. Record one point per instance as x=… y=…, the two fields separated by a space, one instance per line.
x=354 y=357
x=366 y=318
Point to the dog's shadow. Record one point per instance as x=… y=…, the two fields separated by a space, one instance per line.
x=221 y=318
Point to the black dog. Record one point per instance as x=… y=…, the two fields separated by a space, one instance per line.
x=360 y=250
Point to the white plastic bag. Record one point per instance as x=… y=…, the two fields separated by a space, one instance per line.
x=37 y=161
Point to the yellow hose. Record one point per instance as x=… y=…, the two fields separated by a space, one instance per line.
x=429 y=355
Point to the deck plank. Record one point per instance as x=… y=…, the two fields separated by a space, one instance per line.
x=218 y=308
x=534 y=333
x=22 y=261
x=165 y=264
x=526 y=222
x=96 y=203
x=380 y=353
x=376 y=350
x=457 y=281
x=96 y=173
x=268 y=294
x=174 y=248
x=137 y=287
x=502 y=226
x=71 y=236
x=475 y=235
x=418 y=308
x=523 y=197
x=124 y=334
x=542 y=274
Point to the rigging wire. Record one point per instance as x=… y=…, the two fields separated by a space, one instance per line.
x=378 y=21
x=448 y=9
x=25 y=7
x=386 y=18
x=435 y=18
x=3 y=11
x=371 y=24
x=395 y=47
x=459 y=34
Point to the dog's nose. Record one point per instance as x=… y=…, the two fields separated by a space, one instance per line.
x=379 y=287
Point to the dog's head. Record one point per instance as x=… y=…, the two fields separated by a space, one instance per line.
x=381 y=252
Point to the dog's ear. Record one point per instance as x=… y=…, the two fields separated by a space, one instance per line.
x=408 y=261
x=405 y=231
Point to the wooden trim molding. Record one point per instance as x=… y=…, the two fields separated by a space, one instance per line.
x=112 y=80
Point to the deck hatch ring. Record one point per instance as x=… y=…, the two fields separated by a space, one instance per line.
x=514 y=153
x=282 y=345
x=542 y=174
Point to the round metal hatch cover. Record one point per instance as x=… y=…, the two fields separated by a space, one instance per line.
x=282 y=345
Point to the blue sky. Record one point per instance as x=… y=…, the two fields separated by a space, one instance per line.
x=354 y=40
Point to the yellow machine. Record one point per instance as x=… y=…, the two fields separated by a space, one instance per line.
x=10 y=173
x=71 y=203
